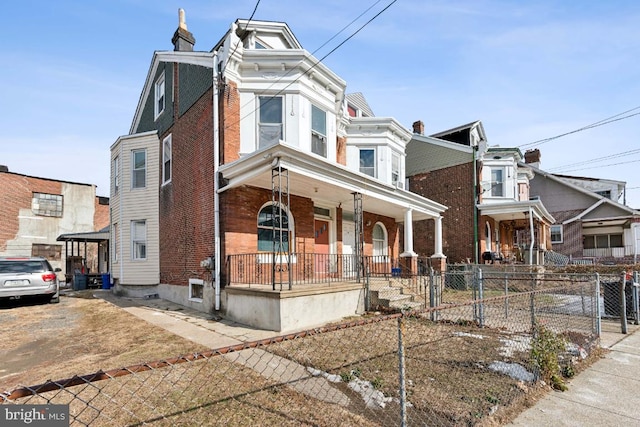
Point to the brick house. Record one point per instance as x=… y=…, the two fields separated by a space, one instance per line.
x=36 y=211
x=252 y=184
x=589 y=221
x=486 y=189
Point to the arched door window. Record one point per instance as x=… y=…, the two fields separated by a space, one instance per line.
x=379 y=240
x=273 y=224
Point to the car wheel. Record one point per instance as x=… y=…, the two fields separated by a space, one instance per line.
x=55 y=300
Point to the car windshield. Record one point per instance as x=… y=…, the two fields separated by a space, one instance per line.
x=21 y=266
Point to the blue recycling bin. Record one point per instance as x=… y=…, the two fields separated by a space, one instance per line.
x=106 y=281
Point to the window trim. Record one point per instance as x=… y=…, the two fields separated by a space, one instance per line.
x=290 y=230
x=167 y=142
x=198 y=282
x=322 y=137
x=116 y=242
x=260 y=123
x=384 y=240
x=395 y=157
x=135 y=240
x=133 y=168
x=495 y=184
x=360 y=167
x=160 y=94
x=561 y=232
x=116 y=174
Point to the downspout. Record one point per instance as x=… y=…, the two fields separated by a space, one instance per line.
x=216 y=184
x=475 y=206
x=120 y=227
x=532 y=236
x=635 y=242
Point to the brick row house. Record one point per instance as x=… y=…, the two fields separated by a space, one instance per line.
x=491 y=216
x=36 y=211
x=252 y=184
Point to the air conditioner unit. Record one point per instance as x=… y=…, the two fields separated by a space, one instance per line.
x=400 y=185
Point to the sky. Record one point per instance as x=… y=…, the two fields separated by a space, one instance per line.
x=73 y=72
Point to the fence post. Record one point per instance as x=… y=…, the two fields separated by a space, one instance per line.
x=506 y=295
x=636 y=302
x=401 y=369
x=433 y=294
x=532 y=302
x=367 y=290
x=480 y=297
x=623 y=303
x=598 y=316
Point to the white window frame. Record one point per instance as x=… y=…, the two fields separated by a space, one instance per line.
x=138 y=241
x=551 y=233
x=199 y=283
x=160 y=97
x=395 y=169
x=116 y=242
x=270 y=128
x=317 y=133
x=116 y=174
x=375 y=169
x=497 y=186
x=290 y=229
x=167 y=160
x=134 y=183
x=377 y=250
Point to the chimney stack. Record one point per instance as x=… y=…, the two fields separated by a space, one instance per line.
x=182 y=39
x=532 y=157
x=418 y=127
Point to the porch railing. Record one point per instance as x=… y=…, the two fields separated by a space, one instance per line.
x=305 y=268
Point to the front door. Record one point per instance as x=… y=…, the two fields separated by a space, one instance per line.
x=322 y=263
x=349 y=265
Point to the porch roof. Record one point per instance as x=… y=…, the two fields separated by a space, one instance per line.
x=87 y=236
x=326 y=182
x=516 y=210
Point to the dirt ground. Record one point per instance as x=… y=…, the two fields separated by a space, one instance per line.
x=78 y=336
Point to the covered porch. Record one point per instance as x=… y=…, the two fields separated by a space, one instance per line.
x=87 y=257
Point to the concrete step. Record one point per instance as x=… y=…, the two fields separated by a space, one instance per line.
x=396 y=301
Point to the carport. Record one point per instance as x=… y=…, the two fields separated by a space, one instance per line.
x=76 y=255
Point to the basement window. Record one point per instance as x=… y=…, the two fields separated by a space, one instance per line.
x=196 y=290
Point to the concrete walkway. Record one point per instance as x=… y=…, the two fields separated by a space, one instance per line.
x=606 y=394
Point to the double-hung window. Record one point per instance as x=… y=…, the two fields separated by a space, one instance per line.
x=139 y=239
x=318 y=131
x=368 y=161
x=556 y=233
x=497 y=182
x=139 y=169
x=166 y=159
x=270 y=120
x=379 y=240
x=116 y=174
x=159 y=96
x=395 y=169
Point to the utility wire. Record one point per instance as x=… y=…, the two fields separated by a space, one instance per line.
x=245 y=29
x=599 y=159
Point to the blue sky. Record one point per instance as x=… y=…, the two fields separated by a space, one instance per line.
x=74 y=70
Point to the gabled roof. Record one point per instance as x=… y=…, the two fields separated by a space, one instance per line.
x=358 y=100
x=463 y=134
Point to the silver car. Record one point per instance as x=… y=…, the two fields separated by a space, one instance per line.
x=28 y=277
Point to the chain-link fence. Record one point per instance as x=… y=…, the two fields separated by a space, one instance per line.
x=463 y=362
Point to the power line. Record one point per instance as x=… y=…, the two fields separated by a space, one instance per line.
x=604 y=166
x=245 y=29
x=599 y=159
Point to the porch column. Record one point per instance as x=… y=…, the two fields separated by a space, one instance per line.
x=408 y=234
x=438 y=259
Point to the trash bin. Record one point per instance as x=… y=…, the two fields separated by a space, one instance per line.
x=612 y=298
x=79 y=282
x=395 y=272
x=106 y=281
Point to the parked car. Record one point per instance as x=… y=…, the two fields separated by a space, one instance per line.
x=28 y=277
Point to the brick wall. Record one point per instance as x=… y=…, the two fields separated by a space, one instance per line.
x=229 y=103
x=452 y=187
x=100 y=214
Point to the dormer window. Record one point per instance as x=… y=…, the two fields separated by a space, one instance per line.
x=353 y=111
x=497 y=182
x=270 y=120
x=159 y=96
x=318 y=131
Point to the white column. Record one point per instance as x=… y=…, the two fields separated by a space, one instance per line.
x=408 y=234
x=438 y=236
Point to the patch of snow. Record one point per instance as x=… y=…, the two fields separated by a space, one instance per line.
x=372 y=398
x=329 y=377
x=466 y=334
x=514 y=370
x=513 y=344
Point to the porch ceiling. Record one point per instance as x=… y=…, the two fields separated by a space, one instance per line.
x=516 y=210
x=326 y=183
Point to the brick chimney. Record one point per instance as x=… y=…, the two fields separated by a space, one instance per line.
x=182 y=39
x=532 y=157
x=418 y=127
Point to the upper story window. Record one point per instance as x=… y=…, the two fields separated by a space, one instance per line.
x=318 y=131
x=159 y=96
x=395 y=169
x=368 y=161
x=497 y=182
x=139 y=239
x=115 y=244
x=556 y=233
x=139 y=169
x=166 y=159
x=273 y=225
x=116 y=174
x=352 y=111
x=270 y=120
x=47 y=204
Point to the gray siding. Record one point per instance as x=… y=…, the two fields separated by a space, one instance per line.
x=193 y=81
x=424 y=157
x=165 y=120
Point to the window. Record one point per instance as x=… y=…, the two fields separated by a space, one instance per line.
x=395 y=169
x=270 y=124
x=116 y=174
x=139 y=240
x=497 y=183
x=352 y=111
x=368 y=161
x=196 y=290
x=116 y=242
x=139 y=172
x=50 y=252
x=556 y=234
x=318 y=131
x=166 y=159
x=604 y=193
x=47 y=204
x=602 y=241
x=159 y=96
x=273 y=223
x=379 y=240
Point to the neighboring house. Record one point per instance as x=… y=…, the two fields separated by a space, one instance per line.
x=35 y=211
x=589 y=222
x=457 y=169
x=249 y=176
